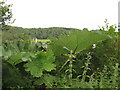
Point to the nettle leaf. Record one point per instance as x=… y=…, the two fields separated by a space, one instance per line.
x=75 y=41
x=43 y=61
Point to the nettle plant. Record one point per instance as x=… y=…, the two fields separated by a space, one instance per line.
x=70 y=45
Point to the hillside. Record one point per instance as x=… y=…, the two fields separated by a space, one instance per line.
x=41 y=33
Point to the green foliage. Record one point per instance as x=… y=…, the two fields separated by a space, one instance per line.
x=42 y=61
x=39 y=33
x=68 y=61
x=101 y=79
x=11 y=77
x=48 y=80
x=73 y=43
x=10 y=37
x=14 y=55
x=5 y=14
x=16 y=52
x=76 y=41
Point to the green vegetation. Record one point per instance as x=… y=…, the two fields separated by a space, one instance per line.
x=5 y=15
x=61 y=58
x=67 y=61
x=39 y=33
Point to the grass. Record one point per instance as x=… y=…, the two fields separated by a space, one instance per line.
x=43 y=40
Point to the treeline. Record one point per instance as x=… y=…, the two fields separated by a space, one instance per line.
x=13 y=32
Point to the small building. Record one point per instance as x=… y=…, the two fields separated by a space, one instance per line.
x=34 y=40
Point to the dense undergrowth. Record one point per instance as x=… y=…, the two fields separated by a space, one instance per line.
x=71 y=59
x=80 y=59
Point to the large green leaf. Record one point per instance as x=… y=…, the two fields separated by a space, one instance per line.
x=16 y=52
x=43 y=61
x=75 y=41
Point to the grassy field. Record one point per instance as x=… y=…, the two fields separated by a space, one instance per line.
x=43 y=40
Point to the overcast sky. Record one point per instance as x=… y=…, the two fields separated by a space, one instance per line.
x=64 y=13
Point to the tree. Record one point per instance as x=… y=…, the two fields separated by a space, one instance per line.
x=5 y=14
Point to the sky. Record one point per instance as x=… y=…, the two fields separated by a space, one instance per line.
x=64 y=13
